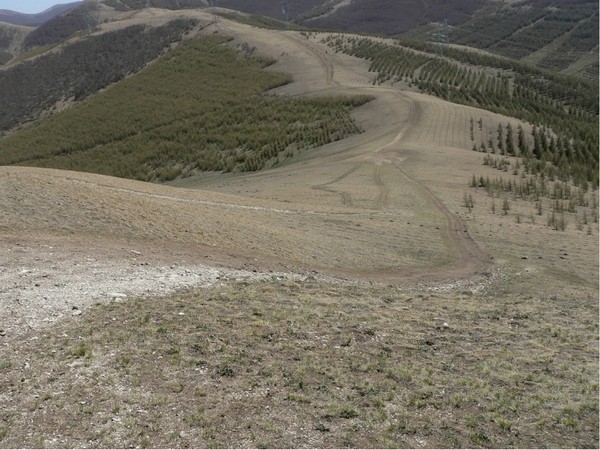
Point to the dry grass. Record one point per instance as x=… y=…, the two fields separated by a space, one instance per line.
x=284 y=364
x=325 y=238
x=509 y=363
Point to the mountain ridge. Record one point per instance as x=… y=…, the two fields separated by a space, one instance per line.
x=17 y=18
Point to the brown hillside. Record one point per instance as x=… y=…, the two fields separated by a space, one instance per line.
x=346 y=299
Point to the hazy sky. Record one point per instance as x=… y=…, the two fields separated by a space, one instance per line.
x=30 y=6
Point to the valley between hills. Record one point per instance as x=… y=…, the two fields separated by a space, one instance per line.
x=347 y=297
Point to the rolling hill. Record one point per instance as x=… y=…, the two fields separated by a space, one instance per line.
x=17 y=18
x=557 y=35
x=360 y=243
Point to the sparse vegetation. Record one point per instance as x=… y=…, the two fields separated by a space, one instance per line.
x=563 y=107
x=265 y=363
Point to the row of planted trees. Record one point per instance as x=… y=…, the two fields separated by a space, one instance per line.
x=565 y=108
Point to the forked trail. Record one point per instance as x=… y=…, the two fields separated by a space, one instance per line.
x=366 y=175
x=351 y=209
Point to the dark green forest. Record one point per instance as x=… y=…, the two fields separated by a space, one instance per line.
x=81 y=69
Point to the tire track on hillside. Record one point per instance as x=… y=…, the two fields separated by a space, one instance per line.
x=471 y=258
x=324 y=62
x=346 y=197
x=220 y=204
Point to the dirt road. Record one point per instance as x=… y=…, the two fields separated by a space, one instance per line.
x=348 y=210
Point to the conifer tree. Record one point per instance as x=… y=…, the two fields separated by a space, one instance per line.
x=510 y=146
x=500 y=139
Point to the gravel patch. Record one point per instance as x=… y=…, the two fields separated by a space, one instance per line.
x=41 y=283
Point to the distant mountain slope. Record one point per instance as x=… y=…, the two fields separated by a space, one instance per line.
x=394 y=17
x=11 y=38
x=80 y=69
x=274 y=9
x=551 y=34
x=385 y=17
x=126 y=5
x=61 y=27
x=17 y=18
x=560 y=35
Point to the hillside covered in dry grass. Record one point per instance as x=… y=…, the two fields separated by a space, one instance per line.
x=361 y=292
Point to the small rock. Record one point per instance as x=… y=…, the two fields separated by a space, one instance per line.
x=77 y=312
x=182 y=434
x=117 y=297
x=524 y=257
x=2 y=333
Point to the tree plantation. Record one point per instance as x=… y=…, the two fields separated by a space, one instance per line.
x=200 y=107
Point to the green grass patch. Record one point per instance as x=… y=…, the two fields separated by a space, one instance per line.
x=200 y=107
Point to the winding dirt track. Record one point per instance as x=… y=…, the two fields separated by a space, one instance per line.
x=470 y=258
x=351 y=209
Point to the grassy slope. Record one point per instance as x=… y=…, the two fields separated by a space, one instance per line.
x=199 y=107
x=282 y=364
